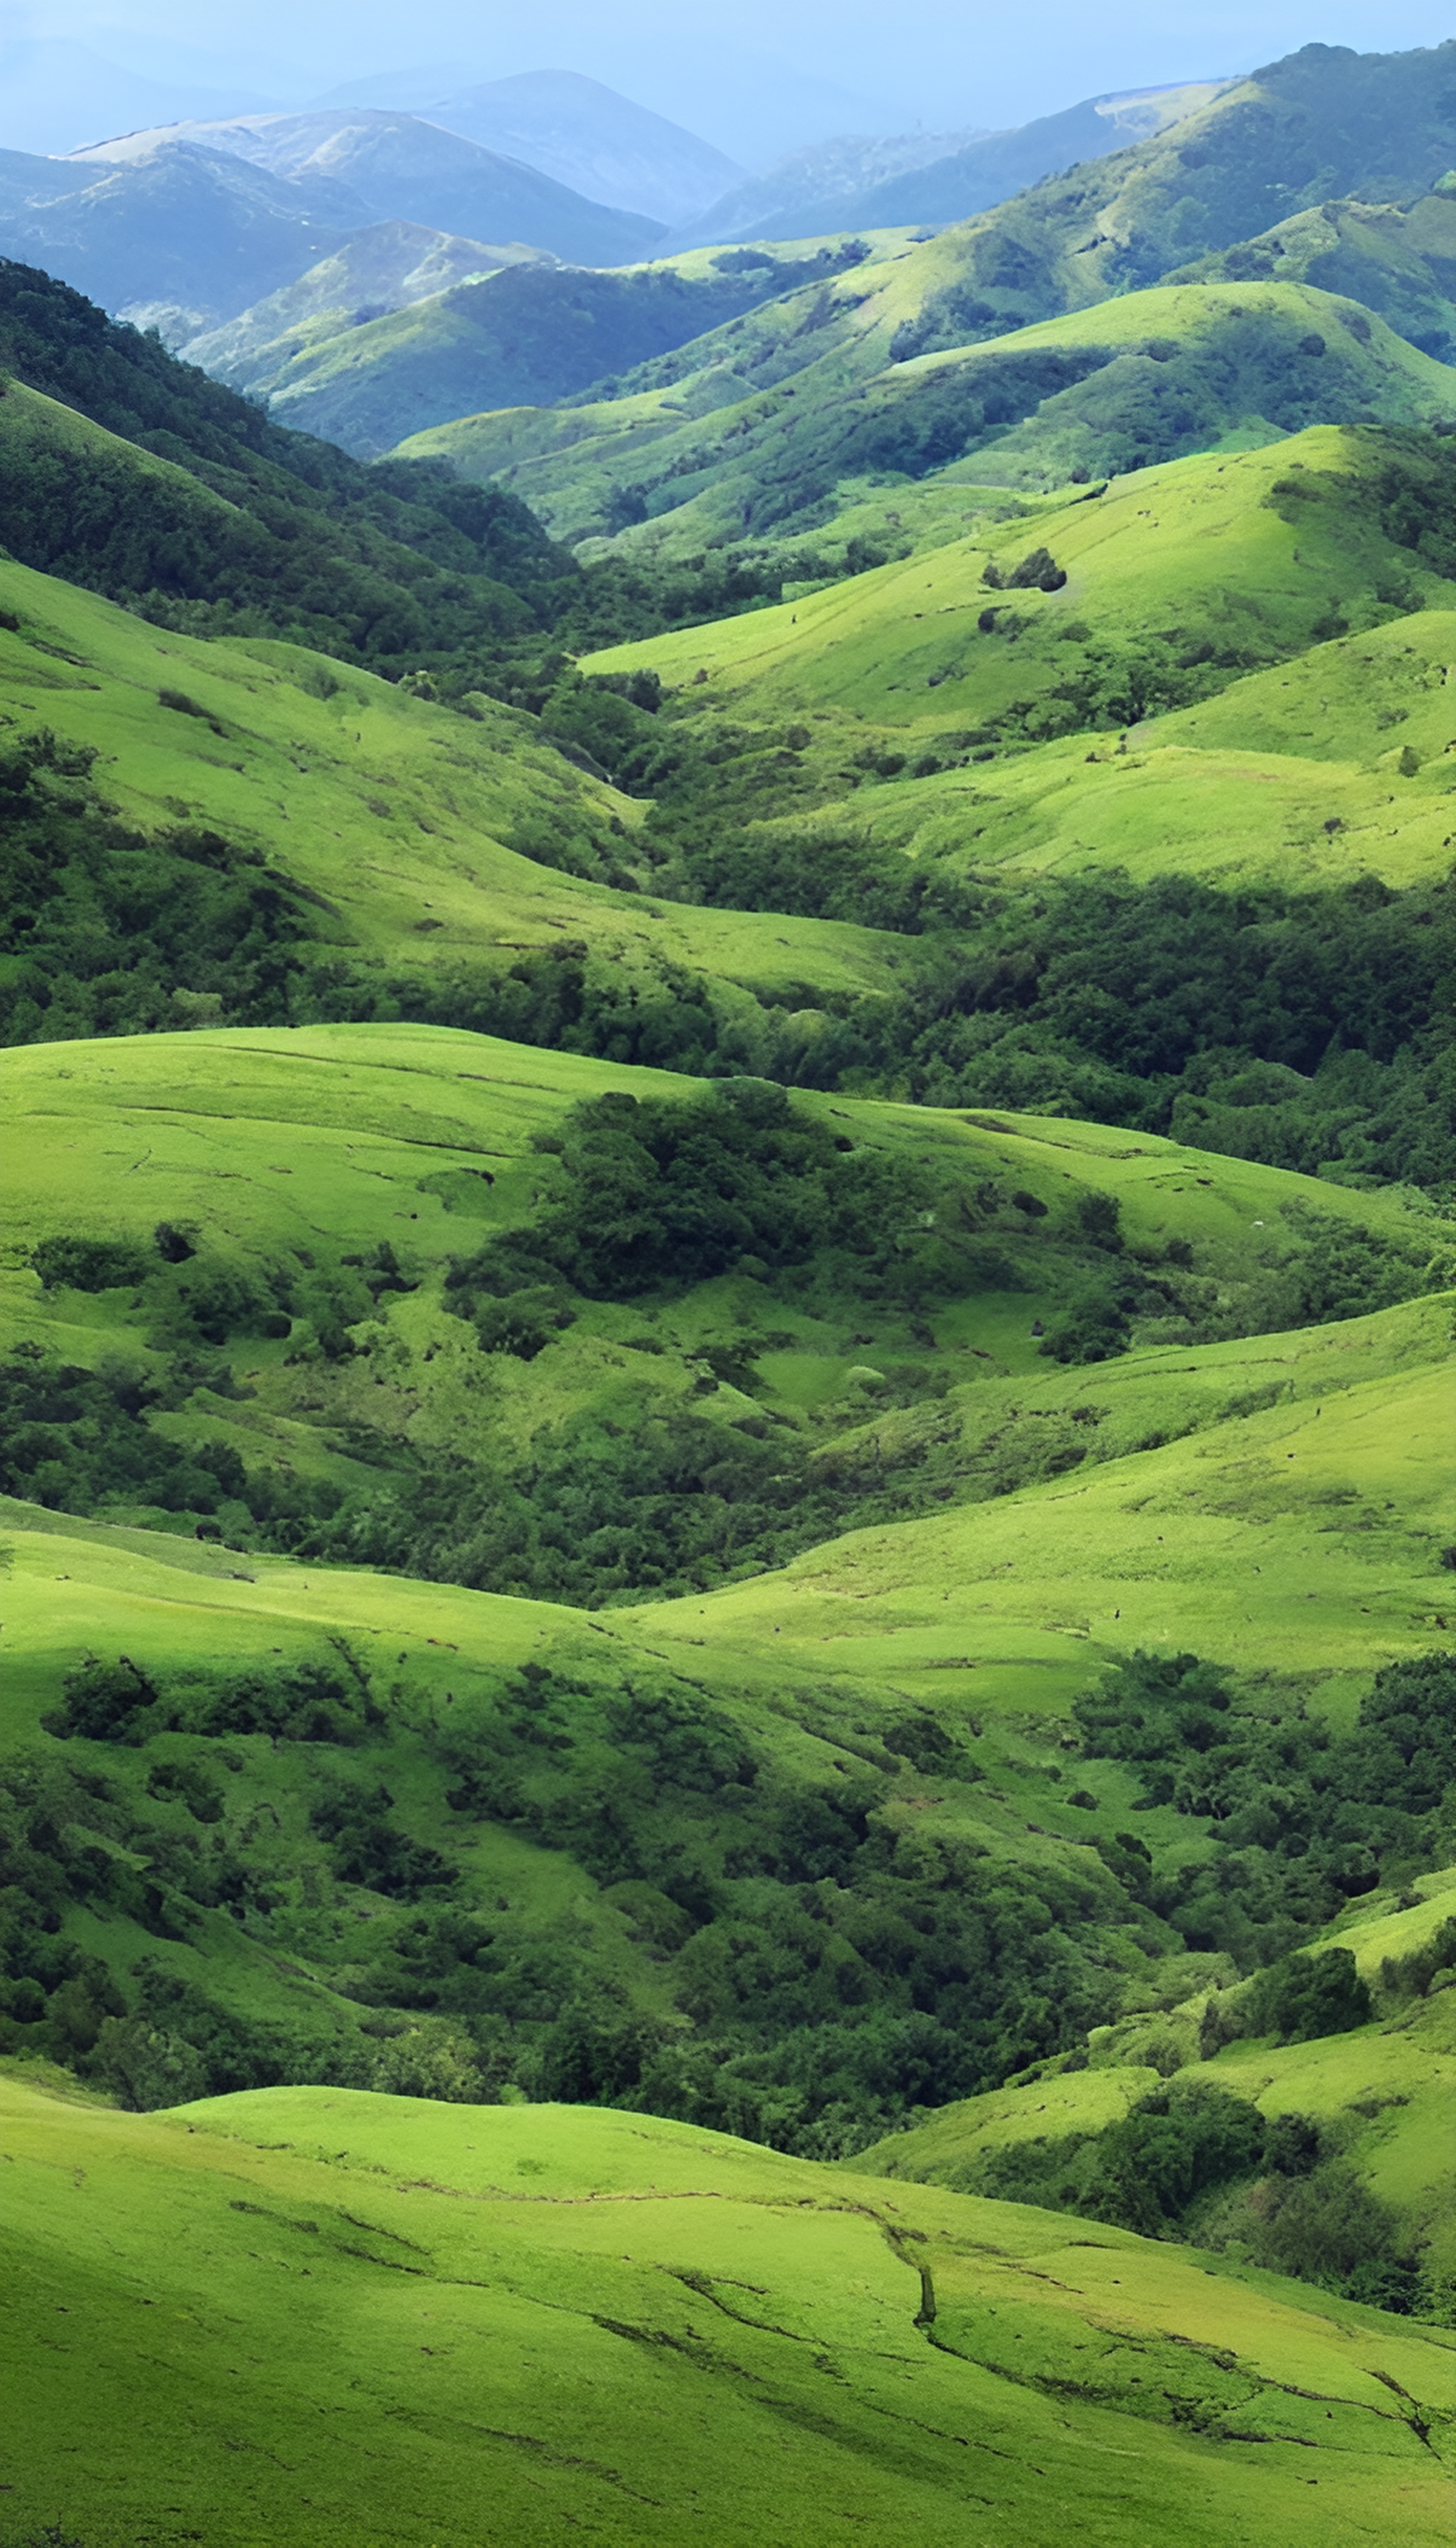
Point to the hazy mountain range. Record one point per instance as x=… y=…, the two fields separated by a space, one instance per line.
x=915 y=178
x=589 y=138
x=188 y=225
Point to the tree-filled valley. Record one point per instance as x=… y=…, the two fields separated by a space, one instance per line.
x=725 y=1355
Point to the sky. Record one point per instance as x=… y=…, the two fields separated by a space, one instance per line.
x=740 y=75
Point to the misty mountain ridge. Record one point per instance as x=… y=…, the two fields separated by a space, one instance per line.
x=203 y=220
x=401 y=167
x=181 y=226
x=588 y=136
x=917 y=179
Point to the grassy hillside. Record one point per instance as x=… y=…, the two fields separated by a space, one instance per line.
x=822 y=2358
x=1394 y=258
x=487 y=843
x=1242 y=1538
x=1290 y=772
x=389 y=266
x=521 y=336
x=1163 y=588
x=729 y=440
x=492 y=1363
x=1375 y=2097
x=132 y=475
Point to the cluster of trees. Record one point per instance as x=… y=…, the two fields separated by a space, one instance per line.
x=833 y=1976
x=1295 y=1029
x=652 y=1193
x=1197 y=2160
x=104 y=931
x=837 y=1968
x=1301 y=1819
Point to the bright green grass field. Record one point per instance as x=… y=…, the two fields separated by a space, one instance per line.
x=395 y=811
x=1300 y=775
x=312 y=2315
x=1194 y=539
x=1302 y=1540
x=1293 y=777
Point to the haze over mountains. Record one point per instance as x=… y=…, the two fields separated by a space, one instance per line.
x=548 y=160
x=909 y=179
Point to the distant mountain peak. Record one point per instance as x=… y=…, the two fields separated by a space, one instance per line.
x=589 y=137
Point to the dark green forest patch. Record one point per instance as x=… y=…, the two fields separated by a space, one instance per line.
x=807 y=1965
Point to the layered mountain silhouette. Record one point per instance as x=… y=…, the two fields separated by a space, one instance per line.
x=207 y=219
x=934 y=178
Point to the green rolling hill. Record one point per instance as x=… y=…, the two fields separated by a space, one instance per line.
x=521 y=336
x=806 y=2351
x=485 y=1341
x=1145 y=609
x=490 y=847
x=389 y=266
x=1391 y=258
x=1377 y=2096
x=725 y=1384
x=756 y=429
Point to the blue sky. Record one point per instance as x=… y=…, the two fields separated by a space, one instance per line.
x=733 y=72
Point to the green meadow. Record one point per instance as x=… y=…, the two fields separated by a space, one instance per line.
x=295 y=1158
x=399 y=818
x=1243 y=553
x=783 y=2351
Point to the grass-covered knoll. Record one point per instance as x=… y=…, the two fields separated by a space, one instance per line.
x=1155 y=376
x=808 y=2353
x=1243 y=1544
x=550 y=1325
x=1395 y=258
x=1156 y=593
x=1330 y=767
